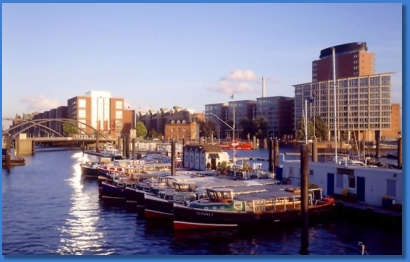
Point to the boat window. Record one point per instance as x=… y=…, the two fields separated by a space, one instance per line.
x=238 y=205
x=226 y=195
x=211 y=195
x=169 y=197
x=190 y=197
x=179 y=198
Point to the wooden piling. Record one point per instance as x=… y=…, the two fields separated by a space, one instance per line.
x=270 y=150
x=96 y=142
x=378 y=146
x=124 y=145
x=8 y=147
x=255 y=145
x=304 y=169
x=172 y=158
x=275 y=153
x=119 y=144
x=133 y=148
x=314 y=150
x=33 y=148
x=127 y=139
x=399 y=152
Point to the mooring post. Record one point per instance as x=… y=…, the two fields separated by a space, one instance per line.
x=255 y=145
x=127 y=139
x=399 y=152
x=33 y=148
x=133 y=149
x=304 y=168
x=183 y=151
x=270 y=150
x=378 y=146
x=96 y=142
x=8 y=157
x=314 y=150
x=172 y=158
x=124 y=146
x=276 y=154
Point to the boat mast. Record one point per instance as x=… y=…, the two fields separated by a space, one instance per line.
x=334 y=100
x=306 y=134
x=233 y=138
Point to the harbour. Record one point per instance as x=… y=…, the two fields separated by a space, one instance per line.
x=84 y=224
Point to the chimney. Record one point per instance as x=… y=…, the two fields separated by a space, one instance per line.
x=263 y=87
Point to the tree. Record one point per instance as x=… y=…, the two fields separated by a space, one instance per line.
x=207 y=128
x=70 y=128
x=141 y=129
x=321 y=128
x=300 y=129
x=154 y=134
x=247 y=126
x=260 y=126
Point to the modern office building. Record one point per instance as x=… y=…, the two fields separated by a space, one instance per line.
x=216 y=113
x=352 y=60
x=363 y=98
x=278 y=112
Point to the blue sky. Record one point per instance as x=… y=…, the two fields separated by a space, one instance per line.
x=161 y=55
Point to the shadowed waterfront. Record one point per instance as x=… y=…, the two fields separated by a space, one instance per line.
x=48 y=208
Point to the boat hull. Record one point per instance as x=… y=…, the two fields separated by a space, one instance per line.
x=187 y=218
x=89 y=171
x=112 y=192
x=156 y=208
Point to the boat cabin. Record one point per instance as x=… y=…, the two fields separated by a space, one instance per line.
x=220 y=195
x=184 y=186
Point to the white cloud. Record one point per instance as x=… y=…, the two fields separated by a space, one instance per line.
x=39 y=103
x=238 y=81
x=242 y=75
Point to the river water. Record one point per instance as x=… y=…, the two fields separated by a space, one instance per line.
x=48 y=208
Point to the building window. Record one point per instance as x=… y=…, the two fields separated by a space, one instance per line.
x=81 y=103
x=339 y=181
x=172 y=130
x=178 y=122
x=118 y=114
x=352 y=181
x=118 y=104
x=81 y=113
x=172 y=122
x=391 y=187
x=183 y=122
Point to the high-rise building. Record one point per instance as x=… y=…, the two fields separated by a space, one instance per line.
x=352 y=60
x=363 y=98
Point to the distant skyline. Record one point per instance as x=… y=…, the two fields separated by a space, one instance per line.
x=161 y=55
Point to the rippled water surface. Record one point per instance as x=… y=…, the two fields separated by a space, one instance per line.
x=48 y=208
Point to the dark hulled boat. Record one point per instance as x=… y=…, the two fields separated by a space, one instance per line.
x=222 y=210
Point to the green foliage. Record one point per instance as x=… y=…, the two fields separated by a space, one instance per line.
x=207 y=128
x=260 y=126
x=154 y=134
x=320 y=131
x=141 y=129
x=70 y=127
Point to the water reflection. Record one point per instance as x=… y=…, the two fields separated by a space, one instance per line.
x=79 y=234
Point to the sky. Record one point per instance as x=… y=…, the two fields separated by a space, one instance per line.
x=161 y=55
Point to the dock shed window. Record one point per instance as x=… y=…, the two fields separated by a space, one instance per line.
x=352 y=181
x=391 y=187
x=339 y=180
